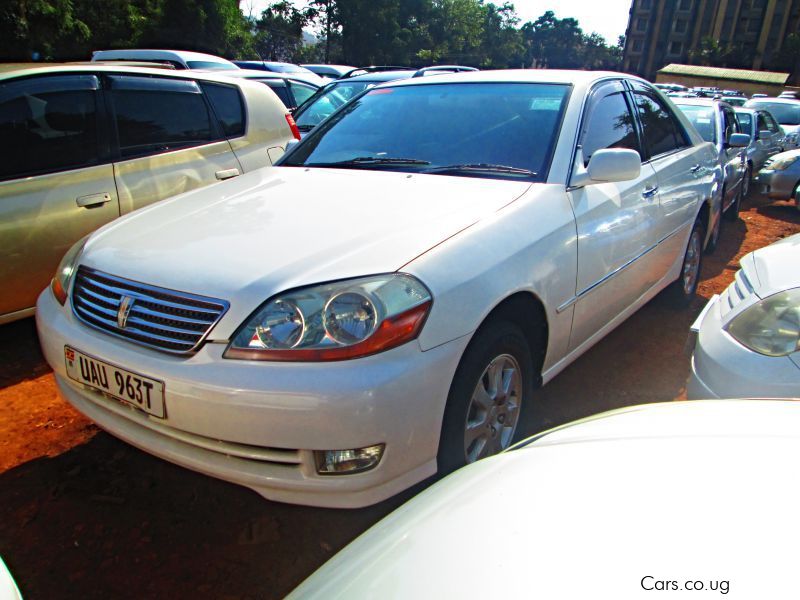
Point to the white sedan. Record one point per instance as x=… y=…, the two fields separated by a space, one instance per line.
x=748 y=338
x=674 y=497
x=384 y=303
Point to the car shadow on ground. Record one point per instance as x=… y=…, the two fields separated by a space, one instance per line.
x=119 y=523
x=20 y=355
x=781 y=211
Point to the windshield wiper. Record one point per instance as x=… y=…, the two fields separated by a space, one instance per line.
x=371 y=160
x=480 y=167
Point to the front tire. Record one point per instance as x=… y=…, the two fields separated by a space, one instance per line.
x=684 y=289
x=491 y=392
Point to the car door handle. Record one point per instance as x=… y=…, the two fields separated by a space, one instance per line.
x=93 y=200
x=650 y=192
x=227 y=174
x=695 y=168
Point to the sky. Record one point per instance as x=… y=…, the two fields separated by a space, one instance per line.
x=607 y=17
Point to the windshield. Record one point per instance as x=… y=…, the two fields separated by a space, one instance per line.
x=702 y=117
x=785 y=114
x=205 y=64
x=327 y=100
x=499 y=130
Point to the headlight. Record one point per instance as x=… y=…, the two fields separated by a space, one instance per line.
x=782 y=164
x=61 y=281
x=335 y=321
x=771 y=327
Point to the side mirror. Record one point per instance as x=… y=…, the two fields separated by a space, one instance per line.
x=739 y=140
x=610 y=165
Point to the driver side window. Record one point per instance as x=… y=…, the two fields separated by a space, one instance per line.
x=610 y=124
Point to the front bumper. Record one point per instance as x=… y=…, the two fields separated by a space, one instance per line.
x=723 y=368
x=258 y=423
x=778 y=185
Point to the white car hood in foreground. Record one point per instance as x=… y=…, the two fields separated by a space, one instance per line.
x=777 y=266
x=691 y=491
x=279 y=228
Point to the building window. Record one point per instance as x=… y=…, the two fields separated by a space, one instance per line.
x=685 y=5
x=680 y=25
x=753 y=26
x=637 y=45
x=645 y=4
x=675 y=48
x=641 y=24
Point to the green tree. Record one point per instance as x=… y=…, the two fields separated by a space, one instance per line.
x=213 y=26
x=502 y=45
x=37 y=29
x=279 y=31
x=554 y=43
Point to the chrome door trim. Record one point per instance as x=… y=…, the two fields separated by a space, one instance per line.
x=615 y=272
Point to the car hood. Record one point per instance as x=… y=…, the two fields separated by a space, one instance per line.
x=279 y=228
x=776 y=267
x=648 y=491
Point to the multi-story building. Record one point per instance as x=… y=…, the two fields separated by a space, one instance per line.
x=673 y=31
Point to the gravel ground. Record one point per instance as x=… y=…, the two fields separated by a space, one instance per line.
x=89 y=516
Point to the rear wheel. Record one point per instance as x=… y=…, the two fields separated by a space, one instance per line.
x=685 y=287
x=491 y=392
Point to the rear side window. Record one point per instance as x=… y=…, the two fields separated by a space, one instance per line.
x=610 y=125
x=279 y=87
x=227 y=104
x=47 y=125
x=661 y=130
x=301 y=92
x=154 y=116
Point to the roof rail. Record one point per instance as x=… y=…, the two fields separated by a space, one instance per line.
x=444 y=68
x=374 y=69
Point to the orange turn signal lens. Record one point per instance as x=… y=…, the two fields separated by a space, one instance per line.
x=58 y=291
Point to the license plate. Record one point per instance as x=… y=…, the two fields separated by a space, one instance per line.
x=142 y=392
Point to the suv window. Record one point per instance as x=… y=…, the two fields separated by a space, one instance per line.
x=154 y=116
x=662 y=131
x=227 y=104
x=609 y=125
x=771 y=124
x=301 y=92
x=762 y=123
x=279 y=87
x=48 y=124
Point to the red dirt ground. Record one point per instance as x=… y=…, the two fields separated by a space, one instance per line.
x=87 y=516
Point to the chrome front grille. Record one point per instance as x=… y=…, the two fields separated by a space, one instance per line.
x=736 y=292
x=159 y=318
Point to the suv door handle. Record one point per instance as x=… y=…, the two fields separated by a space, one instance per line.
x=226 y=174
x=650 y=192
x=695 y=168
x=93 y=200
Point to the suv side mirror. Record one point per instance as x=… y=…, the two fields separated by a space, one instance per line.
x=739 y=140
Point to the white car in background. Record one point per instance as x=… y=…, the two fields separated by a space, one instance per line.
x=680 y=496
x=748 y=337
x=180 y=59
x=786 y=111
x=384 y=302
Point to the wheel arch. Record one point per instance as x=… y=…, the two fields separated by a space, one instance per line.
x=526 y=310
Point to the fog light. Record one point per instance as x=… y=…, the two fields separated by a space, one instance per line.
x=347 y=462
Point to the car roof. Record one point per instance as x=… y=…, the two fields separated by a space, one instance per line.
x=51 y=69
x=380 y=76
x=155 y=54
x=771 y=100
x=257 y=74
x=522 y=76
x=710 y=102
